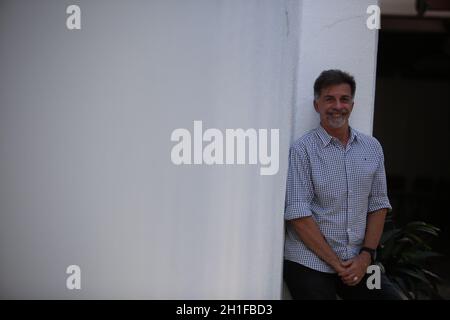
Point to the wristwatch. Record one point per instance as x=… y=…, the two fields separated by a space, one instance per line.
x=372 y=252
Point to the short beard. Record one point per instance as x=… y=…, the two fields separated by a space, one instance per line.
x=337 y=123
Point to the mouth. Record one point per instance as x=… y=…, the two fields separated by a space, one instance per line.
x=337 y=115
x=337 y=119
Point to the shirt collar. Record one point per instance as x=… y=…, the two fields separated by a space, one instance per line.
x=326 y=138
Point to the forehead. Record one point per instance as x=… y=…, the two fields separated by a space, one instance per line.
x=342 y=89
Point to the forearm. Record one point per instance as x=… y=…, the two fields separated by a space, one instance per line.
x=374 y=228
x=308 y=231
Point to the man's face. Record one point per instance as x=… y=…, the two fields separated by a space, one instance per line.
x=334 y=105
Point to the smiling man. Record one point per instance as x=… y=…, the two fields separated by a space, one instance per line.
x=336 y=201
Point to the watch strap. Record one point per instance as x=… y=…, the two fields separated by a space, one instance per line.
x=370 y=251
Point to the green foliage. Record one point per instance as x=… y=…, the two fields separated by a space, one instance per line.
x=402 y=255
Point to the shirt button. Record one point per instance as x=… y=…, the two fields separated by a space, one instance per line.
x=348 y=230
x=350 y=191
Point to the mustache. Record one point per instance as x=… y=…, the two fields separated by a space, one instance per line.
x=342 y=112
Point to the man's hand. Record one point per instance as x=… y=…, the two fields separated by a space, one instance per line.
x=355 y=269
x=339 y=266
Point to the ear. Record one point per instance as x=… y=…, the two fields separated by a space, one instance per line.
x=316 y=106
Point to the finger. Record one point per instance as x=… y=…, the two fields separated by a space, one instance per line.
x=347 y=281
x=347 y=275
x=355 y=283
x=350 y=278
x=360 y=278
x=348 y=272
x=347 y=263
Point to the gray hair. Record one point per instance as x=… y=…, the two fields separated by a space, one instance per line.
x=333 y=77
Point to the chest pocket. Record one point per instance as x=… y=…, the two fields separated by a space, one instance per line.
x=329 y=178
x=364 y=169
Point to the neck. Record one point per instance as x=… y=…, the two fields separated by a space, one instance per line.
x=342 y=133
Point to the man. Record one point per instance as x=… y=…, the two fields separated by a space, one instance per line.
x=336 y=201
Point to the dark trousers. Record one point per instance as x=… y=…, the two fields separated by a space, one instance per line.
x=308 y=284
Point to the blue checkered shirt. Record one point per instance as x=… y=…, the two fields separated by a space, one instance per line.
x=338 y=187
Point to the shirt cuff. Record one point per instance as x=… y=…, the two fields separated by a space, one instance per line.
x=297 y=210
x=377 y=203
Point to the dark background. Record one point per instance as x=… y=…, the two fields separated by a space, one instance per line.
x=412 y=122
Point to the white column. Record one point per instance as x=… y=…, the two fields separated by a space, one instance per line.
x=334 y=35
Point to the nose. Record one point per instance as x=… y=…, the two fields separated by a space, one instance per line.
x=339 y=105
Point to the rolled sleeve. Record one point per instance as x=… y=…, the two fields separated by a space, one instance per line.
x=299 y=187
x=378 y=197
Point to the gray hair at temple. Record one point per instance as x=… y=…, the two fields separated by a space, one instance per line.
x=333 y=77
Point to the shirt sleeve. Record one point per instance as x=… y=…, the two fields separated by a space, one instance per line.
x=378 y=198
x=299 y=186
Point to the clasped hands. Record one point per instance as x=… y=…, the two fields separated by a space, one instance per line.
x=352 y=271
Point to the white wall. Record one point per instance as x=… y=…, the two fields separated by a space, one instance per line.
x=86 y=173
x=333 y=35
